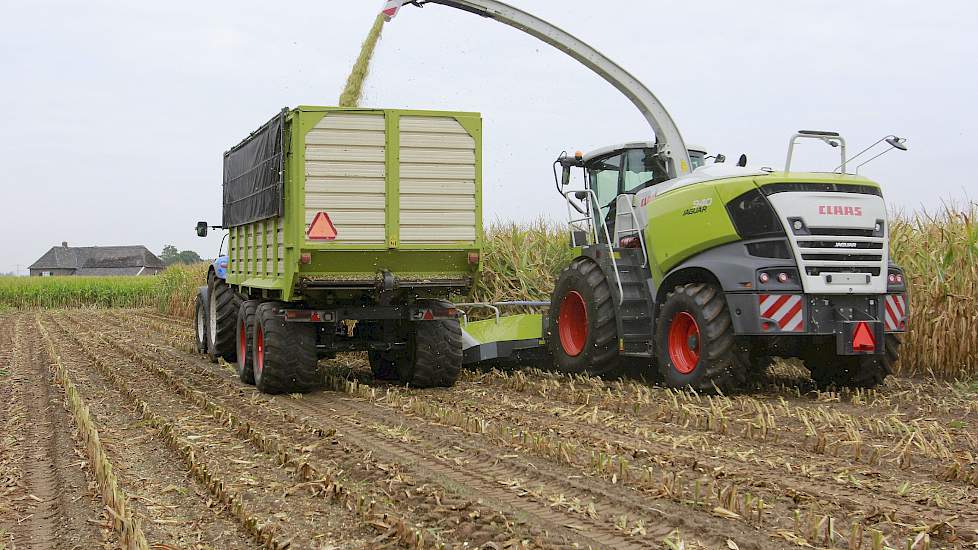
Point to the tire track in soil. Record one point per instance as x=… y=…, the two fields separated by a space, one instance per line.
x=543 y=514
x=439 y=438
x=173 y=509
x=834 y=498
x=58 y=509
x=658 y=411
x=255 y=480
x=835 y=495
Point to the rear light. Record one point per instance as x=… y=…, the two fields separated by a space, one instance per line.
x=630 y=242
x=783 y=277
x=892 y=278
x=899 y=279
x=764 y=278
x=474 y=258
x=305 y=258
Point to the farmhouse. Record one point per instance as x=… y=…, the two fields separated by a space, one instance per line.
x=96 y=261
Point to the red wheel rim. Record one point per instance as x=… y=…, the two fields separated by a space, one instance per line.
x=259 y=350
x=242 y=345
x=684 y=342
x=572 y=323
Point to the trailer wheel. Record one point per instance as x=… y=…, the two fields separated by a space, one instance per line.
x=284 y=354
x=200 y=320
x=246 y=341
x=850 y=371
x=434 y=354
x=583 y=330
x=222 y=316
x=695 y=342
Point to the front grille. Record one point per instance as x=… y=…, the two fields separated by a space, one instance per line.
x=843 y=257
x=816 y=271
x=841 y=232
x=828 y=250
x=835 y=245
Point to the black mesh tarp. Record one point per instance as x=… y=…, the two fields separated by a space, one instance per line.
x=254 y=189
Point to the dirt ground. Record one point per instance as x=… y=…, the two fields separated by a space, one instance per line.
x=506 y=459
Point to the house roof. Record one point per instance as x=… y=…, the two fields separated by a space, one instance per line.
x=97 y=257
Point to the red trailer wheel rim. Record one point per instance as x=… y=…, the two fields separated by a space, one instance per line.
x=684 y=342
x=572 y=321
x=242 y=345
x=259 y=350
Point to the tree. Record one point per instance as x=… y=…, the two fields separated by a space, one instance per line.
x=171 y=256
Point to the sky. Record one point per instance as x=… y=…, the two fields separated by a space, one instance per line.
x=116 y=114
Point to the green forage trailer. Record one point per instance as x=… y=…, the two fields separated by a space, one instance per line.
x=347 y=230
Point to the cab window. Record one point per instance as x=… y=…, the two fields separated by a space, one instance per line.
x=642 y=169
x=604 y=175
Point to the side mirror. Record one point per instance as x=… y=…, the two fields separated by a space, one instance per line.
x=720 y=158
x=742 y=161
x=566 y=177
x=201 y=229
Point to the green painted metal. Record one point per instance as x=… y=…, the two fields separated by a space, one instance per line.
x=338 y=261
x=680 y=226
x=510 y=328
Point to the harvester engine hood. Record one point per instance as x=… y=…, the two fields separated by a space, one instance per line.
x=839 y=239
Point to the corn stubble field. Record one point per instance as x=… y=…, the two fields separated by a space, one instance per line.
x=114 y=433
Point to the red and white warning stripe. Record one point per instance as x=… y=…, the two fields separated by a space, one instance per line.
x=784 y=309
x=896 y=312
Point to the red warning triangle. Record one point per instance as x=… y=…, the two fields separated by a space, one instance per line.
x=321 y=228
x=862 y=339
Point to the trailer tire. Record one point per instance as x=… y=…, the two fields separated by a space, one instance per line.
x=200 y=319
x=434 y=354
x=244 y=365
x=583 y=330
x=695 y=342
x=848 y=371
x=285 y=358
x=223 y=304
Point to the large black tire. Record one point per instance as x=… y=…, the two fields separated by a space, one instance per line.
x=285 y=359
x=583 y=328
x=246 y=341
x=223 y=315
x=200 y=320
x=434 y=354
x=850 y=371
x=695 y=343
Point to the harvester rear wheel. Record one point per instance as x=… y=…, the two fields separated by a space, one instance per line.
x=695 y=342
x=246 y=341
x=222 y=316
x=850 y=371
x=434 y=354
x=583 y=330
x=284 y=354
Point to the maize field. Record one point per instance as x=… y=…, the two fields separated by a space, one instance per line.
x=114 y=433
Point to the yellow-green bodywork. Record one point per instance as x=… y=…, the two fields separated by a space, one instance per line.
x=674 y=234
x=527 y=326
x=266 y=256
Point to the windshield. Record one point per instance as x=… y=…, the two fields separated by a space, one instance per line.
x=604 y=175
x=643 y=168
x=696 y=159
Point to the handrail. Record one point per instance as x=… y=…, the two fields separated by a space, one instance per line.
x=592 y=205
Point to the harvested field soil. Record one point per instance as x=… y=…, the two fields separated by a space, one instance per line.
x=506 y=459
